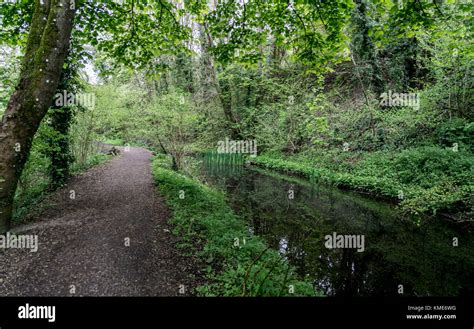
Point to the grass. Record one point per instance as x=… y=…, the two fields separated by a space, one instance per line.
x=114 y=141
x=92 y=161
x=238 y=263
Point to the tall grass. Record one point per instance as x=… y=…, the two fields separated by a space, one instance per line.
x=223 y=163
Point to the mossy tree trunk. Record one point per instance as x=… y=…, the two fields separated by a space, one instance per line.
x=59 y=150
x=45 y=52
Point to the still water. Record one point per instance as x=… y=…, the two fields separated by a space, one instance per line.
x=294 y=216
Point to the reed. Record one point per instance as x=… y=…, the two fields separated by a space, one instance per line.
x=223 y=163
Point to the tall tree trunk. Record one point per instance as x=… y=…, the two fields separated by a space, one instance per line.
x=363 y=48
x=59 y=150
x=46 y=50
x=60 y=153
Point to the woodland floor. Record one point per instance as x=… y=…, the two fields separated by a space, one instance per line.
x=82 y=242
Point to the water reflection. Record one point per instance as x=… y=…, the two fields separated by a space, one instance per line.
x=422 y=259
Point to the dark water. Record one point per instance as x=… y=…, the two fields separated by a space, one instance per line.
x=420 y=259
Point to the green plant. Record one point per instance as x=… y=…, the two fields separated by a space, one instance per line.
x=426 y=179
x=239 y=264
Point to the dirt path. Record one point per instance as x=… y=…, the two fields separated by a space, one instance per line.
x=83 y=241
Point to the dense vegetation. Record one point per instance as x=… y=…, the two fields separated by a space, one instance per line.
x=335 y=121
x=239 y=264
x=374 y=96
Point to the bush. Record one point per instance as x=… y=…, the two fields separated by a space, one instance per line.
x=458 y=131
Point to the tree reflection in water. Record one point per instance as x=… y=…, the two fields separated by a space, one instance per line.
x=422 y=259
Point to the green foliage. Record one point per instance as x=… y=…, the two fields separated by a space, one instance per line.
x=224 y=159
x=424 y=180
x=134 y=32
x=126 y=115
x=15 y=17
x=175 y=124
x=117 y=109
x=9 y=69
x=35 y=182
x=239 y=264
x=457 y=131
x=91 y=161
x=284 y=109
x=114 y=142
x=303 y=78
x=312 y=30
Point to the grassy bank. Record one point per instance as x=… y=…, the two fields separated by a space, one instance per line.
x=238 y=263
x=425 y=180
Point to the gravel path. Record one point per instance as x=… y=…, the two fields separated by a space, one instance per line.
x=83 y=242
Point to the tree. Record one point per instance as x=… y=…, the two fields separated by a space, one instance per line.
x=61 y=117
x=46 y=50
x=176 y=124
x=364 y=50
x=133 y=33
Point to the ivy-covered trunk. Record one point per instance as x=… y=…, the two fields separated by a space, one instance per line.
x=59 y=148
x=61 y=116
x=211 y=82
x=364 y=49
x=46 y=50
